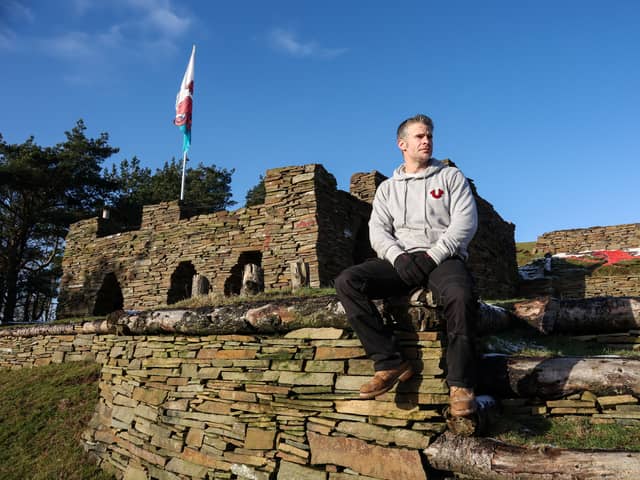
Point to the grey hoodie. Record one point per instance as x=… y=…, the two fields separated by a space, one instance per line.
x=433 y=211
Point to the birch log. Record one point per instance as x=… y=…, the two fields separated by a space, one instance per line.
x=580 y=316
x=506 y=376
x=487 y=459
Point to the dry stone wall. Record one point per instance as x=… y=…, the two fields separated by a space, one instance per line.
x=614 y=237
x=250 y=406
x=586 y=286
x=492 y=253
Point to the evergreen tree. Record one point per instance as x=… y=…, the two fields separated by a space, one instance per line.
x=43 y=190
x=207 y=187
x=256 y=194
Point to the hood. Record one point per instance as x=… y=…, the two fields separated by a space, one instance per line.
x=432 y=167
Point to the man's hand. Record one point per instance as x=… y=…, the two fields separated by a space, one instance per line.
x=425 y=262
x=408 y=270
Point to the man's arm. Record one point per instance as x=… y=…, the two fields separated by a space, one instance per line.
x=381 y=232
x=464 y=220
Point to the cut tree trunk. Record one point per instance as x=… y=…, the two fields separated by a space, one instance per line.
x=251 y=280
x=506 y=376
x=581 y=316
x=299 y=274
x=487 y=459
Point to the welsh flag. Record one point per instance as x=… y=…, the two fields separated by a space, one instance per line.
x=184 y=103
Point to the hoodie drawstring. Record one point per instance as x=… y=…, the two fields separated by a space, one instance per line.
x=406 y=190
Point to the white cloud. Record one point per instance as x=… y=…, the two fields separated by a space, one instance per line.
x=7 y=39
x=112 y=37
x=82 y=6
x=71 y=45
x=12 y=12
x=168 y=22
x=286 y=41
x=144 y=27
x=14 y=9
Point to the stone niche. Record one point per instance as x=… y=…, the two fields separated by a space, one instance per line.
x=304 y=218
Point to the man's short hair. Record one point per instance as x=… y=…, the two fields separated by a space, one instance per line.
x=419 y=118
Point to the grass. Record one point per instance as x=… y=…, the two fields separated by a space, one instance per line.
x=565 y=432
x=530 y=342
x=43 y=411
x=524 y=253
x=624 y=267
x=217 y=300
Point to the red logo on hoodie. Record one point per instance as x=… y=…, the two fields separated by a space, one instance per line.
x=437 y=194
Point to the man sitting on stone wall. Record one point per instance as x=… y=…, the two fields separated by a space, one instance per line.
x=422 y=221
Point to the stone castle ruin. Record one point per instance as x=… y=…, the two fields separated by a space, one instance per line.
x=610 y=243
x=611 y=237
x=305 y=222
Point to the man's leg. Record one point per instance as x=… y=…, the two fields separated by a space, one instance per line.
x=356 y=287
x=452 y=287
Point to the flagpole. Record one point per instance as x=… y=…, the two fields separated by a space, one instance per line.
x=184 y=167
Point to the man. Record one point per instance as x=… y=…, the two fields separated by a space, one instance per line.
x=422 y=221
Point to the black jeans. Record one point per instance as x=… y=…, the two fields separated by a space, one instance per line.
x=452 y=287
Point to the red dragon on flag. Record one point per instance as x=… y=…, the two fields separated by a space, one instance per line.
x=184 y=103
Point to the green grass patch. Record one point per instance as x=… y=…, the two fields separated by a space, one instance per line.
x=43 y=412
x=624 y=267
x=218 y=300
x=524 y=253
x=88 y=318
x=529 y=342
x=565 y=432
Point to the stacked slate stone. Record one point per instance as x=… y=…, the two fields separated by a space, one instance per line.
x=579 y=283
x=293 y=228
x=612 y=285
x=343 y=237
x=492 y=253
x=242 y=405
x=576 y=240
x=364 y=185
x=143 y=261
x=621 y=409
x=35 y=351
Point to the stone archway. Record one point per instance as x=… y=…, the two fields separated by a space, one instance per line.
x=109 y=297
x=181 y=282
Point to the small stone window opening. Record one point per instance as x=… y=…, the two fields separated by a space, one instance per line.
x=181 y=282
x=109 y=297
x=233 y=284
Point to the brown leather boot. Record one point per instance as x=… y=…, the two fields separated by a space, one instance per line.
x=462 y=402
x=384 y=380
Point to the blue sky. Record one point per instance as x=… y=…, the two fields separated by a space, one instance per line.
x=536 y=101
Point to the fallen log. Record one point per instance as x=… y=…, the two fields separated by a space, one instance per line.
x=488 y=459
x=493 y=318
x=421 y=312
x=99 y=326
x=510 y=376
x=584 y=315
